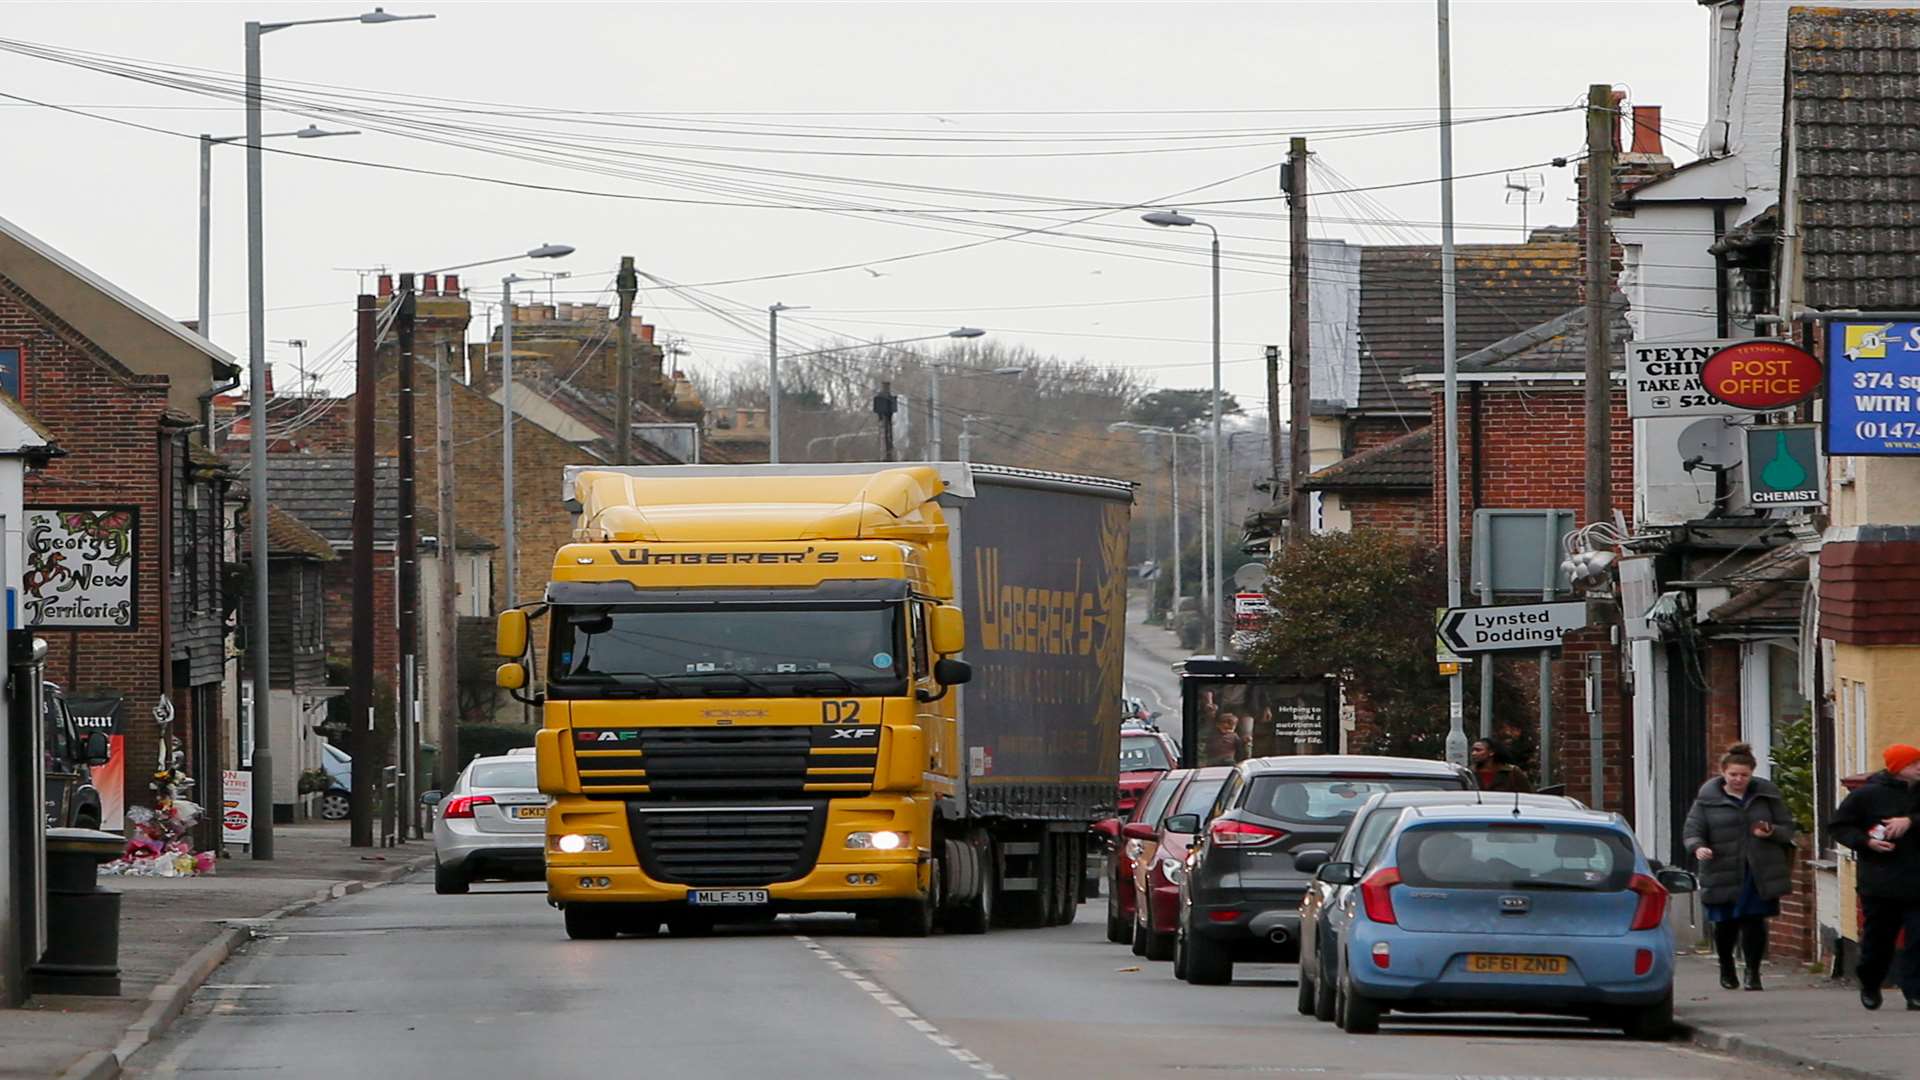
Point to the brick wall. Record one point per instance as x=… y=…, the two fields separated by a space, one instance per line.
x=1723 y=702
x=72 y=387
x=1369 y=432
x=1409 y=513
x=336 y=582
x=1532 y=455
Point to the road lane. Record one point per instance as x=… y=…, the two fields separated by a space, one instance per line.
x=1150 y=655
x=398 y=982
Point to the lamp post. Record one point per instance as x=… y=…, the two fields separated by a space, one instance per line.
x=1174 y=438
x=257 y=373
x=773 y=369
x=935 y=445
x=1179 y=220
x=207 y=143
x=510 y=552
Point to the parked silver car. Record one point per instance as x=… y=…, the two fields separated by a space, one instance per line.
x=492 y=825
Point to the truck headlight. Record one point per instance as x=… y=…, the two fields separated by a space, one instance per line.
x=879 y=840
x=575 y=843
x=1172 y=871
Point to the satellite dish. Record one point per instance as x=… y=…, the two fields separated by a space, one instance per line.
x=1708 y=440
x=1249 y=577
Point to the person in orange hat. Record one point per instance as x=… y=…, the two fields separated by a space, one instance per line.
x=1877 y=822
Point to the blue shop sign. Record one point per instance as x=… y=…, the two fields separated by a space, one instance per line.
x=1873 y=388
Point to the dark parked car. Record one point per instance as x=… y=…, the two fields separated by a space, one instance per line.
x=1162 y=863
x=1240 y=901
x=70 y=756
x=1320 y=913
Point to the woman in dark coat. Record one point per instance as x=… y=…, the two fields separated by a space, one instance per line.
x=1741 y=832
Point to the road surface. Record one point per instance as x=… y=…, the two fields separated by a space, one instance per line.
x=398 y=982
x=1151 y=654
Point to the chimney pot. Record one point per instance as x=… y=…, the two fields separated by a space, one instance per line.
x=646 y=333
x=453 y=285
x=269 y=370
x=1646 y=130
x=430 y=286
x=386 y=285
x=1619 y=98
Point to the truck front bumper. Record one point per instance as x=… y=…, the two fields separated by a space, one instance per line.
x=827 y=887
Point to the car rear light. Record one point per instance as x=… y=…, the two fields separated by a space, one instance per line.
x=1227 y=832
x=1382 y=955
x=1376 y=893
x=1642 y=961
x=1652 y=909
x=462 y=806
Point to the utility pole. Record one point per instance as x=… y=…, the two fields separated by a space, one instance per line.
x=1456 y=688
x=627 y=285
x=446 y=660
x=1599 y=384
x=407 y=558
x=261 y=643
x=1299 y=344
x=360 y=696
x=883 y=406
x=1276 y=456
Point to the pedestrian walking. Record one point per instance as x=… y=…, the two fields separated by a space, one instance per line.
x=1495 y=767
x=1740 y=830
x=1877 y=822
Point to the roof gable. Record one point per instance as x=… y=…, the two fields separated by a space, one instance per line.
x=1403 y=464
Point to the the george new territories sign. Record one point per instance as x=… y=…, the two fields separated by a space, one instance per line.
x=82 y=571
x=1761 y=374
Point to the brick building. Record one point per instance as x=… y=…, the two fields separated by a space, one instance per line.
x=1389 y=486
x=125 y=533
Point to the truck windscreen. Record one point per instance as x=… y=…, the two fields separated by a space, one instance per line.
x=727 y=650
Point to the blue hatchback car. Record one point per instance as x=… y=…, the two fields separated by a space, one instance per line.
x=1504 y=907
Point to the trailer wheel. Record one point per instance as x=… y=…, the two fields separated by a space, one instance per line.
x=975 y=914
x=1067 y=879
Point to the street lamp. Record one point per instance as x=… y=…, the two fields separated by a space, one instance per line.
x=207 y=143
x=774 y=358
x=510 y=556
x=935 y=445
x=1176 y=219
x=262 y=847
x=1174 y=438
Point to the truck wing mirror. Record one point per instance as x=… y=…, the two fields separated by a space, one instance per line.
x=951 y=672
x=511 y=676
x=510 y=638
x=949 y=630
x=98 y=749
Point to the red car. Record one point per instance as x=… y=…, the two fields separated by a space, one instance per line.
x=1126 y=837
x=1161 y=861
x=1145 y=756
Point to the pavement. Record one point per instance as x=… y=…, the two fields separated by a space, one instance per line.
x=400 y=982
x=174 y=932
x=1803 y=1019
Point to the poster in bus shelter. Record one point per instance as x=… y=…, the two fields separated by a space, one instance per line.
x=1234 y=719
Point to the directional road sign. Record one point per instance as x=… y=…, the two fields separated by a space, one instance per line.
x=1510 y=626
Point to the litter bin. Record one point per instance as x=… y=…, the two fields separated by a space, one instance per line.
x=83 y=920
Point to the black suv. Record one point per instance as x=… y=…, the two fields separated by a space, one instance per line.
x=1240 y=900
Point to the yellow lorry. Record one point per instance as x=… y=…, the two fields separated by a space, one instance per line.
x=873 y=688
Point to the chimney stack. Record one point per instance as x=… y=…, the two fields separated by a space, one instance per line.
x=452 y=285
x=1646 y=130
x=386 y=286
x=646 y=333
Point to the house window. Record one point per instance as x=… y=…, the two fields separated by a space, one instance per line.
x=10 y=371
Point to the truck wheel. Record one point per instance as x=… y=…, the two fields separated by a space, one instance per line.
x=591 y=922
x=1066 y=881
x=448 y=881
x=976 y=914
x=1207 y=962
x=914 y=918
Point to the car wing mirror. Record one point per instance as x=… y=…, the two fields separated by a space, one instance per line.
x=98 y=749
x=1676 y=881
x=1182 y=823
x=431 y=798
x=1336 y=873
x=1311 y=860
x=1137 y=830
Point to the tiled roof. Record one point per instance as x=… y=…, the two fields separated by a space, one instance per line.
x=1559 y=344
x=1501 y=289
x=318 y=489
x=1404 y=464
x=1853 y=101
x=286 y=535
x=1770 y=589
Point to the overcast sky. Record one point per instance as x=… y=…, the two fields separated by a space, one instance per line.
x=1002 y=106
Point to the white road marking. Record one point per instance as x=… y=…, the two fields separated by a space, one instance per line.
x=892 y=1004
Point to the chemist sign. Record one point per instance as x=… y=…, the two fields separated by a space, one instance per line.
x=1663 y=379
x=1783 y=466
x=1873 y=388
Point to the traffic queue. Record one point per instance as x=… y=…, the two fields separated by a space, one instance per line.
x=1398 y=885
